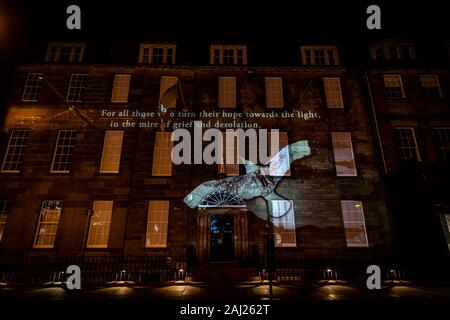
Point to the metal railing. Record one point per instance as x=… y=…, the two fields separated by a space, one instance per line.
x=95 y=270
x=314 y=268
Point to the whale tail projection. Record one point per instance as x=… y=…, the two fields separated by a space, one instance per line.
x=259 y=180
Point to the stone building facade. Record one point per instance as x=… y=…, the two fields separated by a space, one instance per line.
x=60 y=197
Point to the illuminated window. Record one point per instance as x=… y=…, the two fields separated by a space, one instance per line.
x=274 y=92
x=32 y=87
x=405 y=140
x=15 y=151
x=100 y=224
x=48 y=224
x=230 y=156
x=162 y=154
x=284 y=223
x=430 y=86
x=3 y=217
x=319 y=55
x=228 y=55
x=121 y=88
x=445 y=219
x=333 y=92
x=65 y=52
x=157 y=222
x=77 y=87
x=227 y=92
x=393 y=86
x=441 y=138
x=112 y=148
x=354 y=224
x=62 y=157
x=157 y=53
x=343 y=154
x=282 y=167
x=168 y=97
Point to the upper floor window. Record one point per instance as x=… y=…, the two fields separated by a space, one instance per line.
x=441 y=139
x=228 y=54
x=227 y=92
x=393 y=86
x=65 y=52
x=3 y=217
x=319 y=55
x=157 y=53
x=121 y=88
x=389 y=50
x=405 y=139
x=168 y=91
x=343 y=154
x=77 y=87
x=112 y=150
x=333 y=92
x=162 y=154
x=32 y=87
x=62 y=157
x=15 y=151
x=274 y=92
x=430 y=86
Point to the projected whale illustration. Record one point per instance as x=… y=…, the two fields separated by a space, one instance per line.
x=259 y=181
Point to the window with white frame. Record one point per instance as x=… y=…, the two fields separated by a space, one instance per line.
x=430 y=86
x=393 y=86
x=112 y=149
x=227 y=92
x=168 y=94
x=333 y=92
x=230 y=155
x=343 y=154
x=121 y=88
x=3 y=217
x=77 y=87
x=284 y=223
x=274 y=92
x=445 y=219
x=162 y=154
x=406 y=143
x=62 y=157
x=441 y=138
x=32 y=87
x=100 y=223
x=157 y=224
x=354 y=223
x=228 y=54
x=319 y=55
x=48 y=223
x=65 y=52
x=157 y=53
x=15 y=151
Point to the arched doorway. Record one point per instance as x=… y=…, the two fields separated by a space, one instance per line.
x=222 y=231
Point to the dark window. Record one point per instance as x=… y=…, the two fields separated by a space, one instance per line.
x=441 y=139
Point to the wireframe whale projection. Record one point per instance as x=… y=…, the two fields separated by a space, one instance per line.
x=259 y=181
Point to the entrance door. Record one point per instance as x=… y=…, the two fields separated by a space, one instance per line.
x=222 y=244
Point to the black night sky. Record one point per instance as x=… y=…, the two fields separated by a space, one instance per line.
x=272 y=30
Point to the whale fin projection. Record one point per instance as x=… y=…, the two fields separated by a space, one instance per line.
x=259 y=180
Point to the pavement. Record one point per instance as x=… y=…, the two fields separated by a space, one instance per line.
x=255 y=291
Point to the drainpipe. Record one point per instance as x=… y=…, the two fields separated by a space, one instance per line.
x=374 y=114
